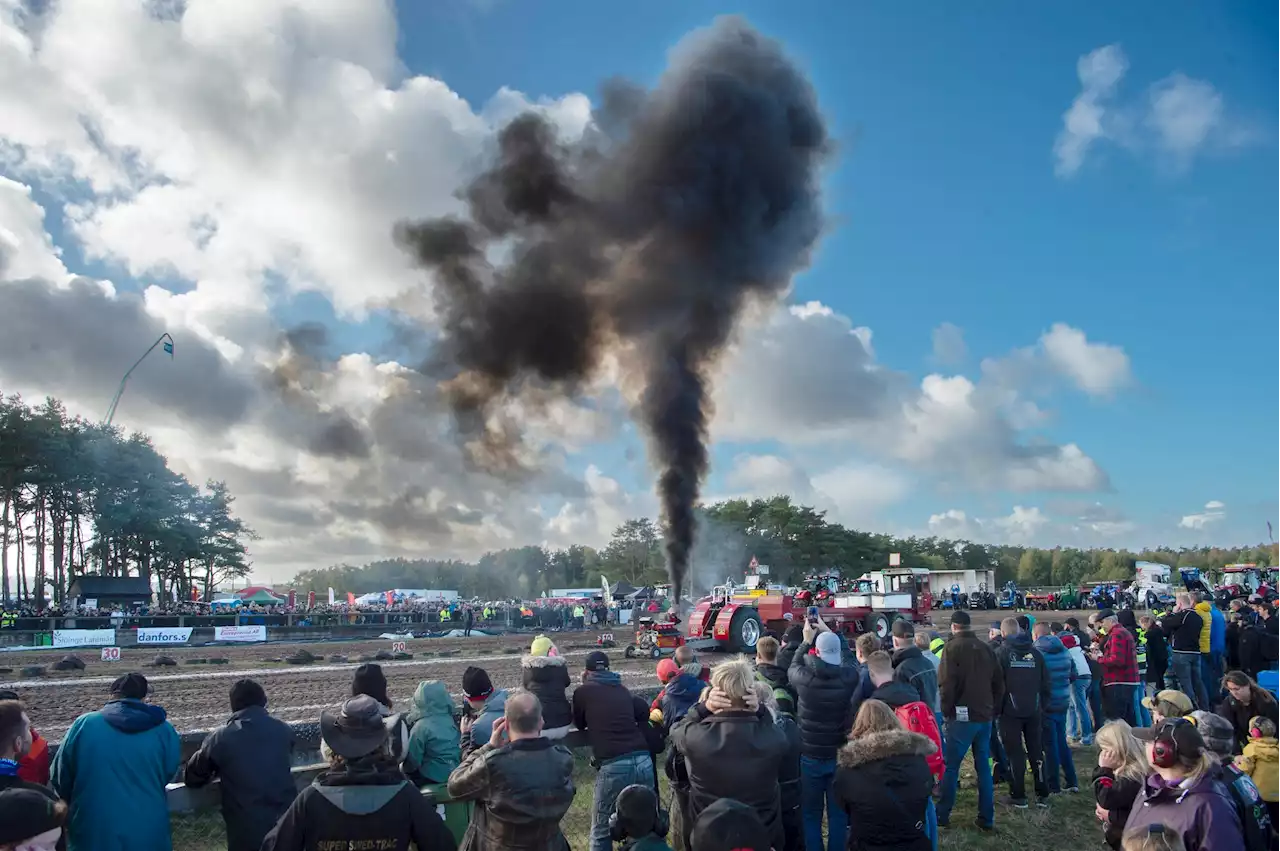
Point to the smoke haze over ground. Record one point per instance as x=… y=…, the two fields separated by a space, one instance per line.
x=644 y=240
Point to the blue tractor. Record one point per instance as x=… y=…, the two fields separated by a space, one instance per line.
x=1011 y=597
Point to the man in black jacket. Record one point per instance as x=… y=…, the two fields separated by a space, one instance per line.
x=911 y=667
x=1026 y=692
x=614 y=721
x=791 y=642
x=1157 y=653
x=886 y=686
x=824 y=687
x=971 y=690
x=1182 y=627
x=253 y=754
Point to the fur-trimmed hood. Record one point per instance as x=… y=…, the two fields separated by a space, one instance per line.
x=542 y=661
x=889 y=743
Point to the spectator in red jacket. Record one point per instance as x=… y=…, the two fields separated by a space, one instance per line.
x=33 y=766
x=1118 y=656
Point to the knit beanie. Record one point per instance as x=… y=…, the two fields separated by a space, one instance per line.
x=542 y=646
x=370 y=680
x=476 y=684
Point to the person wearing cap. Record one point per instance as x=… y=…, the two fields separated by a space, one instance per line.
x=1255 y=818
x=253 y=755
x=1079 y=720
x=521 y=782
x=824 y=687
x=112 y=768
x=729 y=825
x=732 y=749
x=1118 y=656
x=483 y=707
x=30 y=820
x=971 y=687
x=614 y=721
x=546 y=673
x=34 y=764
x=363 y=800
x=636 y=821
x=1169 y=703
x=1183 y=792
x=1183 y=627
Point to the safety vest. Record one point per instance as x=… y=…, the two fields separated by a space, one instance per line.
x=577 y=611
x=1142 y=648
x=935 y=647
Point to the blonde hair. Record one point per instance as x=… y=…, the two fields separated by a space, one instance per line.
x=875 y=716
x=767 y=648
x=1117 y=737
x=734 y=678
x=764 y=693
x=1141 y=839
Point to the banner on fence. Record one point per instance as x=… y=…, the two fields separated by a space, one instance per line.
x=164 y=635
x=83 y=637
x=239 y=633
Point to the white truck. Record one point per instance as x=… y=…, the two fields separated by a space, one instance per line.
x=1151 y=588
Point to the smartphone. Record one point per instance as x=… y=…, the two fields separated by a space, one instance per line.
x=813 y=611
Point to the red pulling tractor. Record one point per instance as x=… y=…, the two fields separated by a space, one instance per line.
x=734 y=617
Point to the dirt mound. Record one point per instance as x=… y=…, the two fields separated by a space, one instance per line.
x=33 y=671
x=383 y=656
x=301 y=657
x=69 y=663
x=338 y=658
x=163 y=661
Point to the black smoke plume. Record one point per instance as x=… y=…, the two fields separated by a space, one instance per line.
x=647 y=237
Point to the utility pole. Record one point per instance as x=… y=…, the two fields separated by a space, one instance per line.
x=115 y=401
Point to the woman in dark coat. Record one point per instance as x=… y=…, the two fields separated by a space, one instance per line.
x=1245 y=699
x=545 y=673
x=883 y=782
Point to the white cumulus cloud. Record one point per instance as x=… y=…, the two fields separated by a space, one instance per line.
x=1215 y=511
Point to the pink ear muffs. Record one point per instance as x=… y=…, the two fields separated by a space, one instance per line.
x=553 y=651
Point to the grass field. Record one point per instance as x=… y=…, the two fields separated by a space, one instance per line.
x=1068 y=823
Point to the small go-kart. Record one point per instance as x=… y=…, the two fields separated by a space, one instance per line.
x=654 y=639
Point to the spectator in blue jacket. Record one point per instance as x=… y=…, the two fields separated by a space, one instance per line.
x=112 y=768
x=1061 y=670
x=1217 y=644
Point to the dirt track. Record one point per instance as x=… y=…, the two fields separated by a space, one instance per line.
x=195 y=696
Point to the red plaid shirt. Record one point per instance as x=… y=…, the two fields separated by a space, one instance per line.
x=1119 y=659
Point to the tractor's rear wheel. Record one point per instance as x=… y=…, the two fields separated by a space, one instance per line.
x=744 y=630
x=876 y=623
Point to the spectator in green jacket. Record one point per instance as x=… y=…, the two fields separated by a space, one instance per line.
x=434 y=749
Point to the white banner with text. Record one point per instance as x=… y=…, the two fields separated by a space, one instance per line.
x=164 y=635
x=239 y=633
x=84 y=637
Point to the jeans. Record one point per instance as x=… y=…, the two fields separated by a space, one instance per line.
x=1016 y=732
x=960 y=736
x=1117 y=703
x=1140 y=713
x=1079 y=725
x=1186 y=667
x=1211 y=674
x=1057 y=755
x=931 y=824
x=1095 y=701
x=612 y=778
x=817 y=791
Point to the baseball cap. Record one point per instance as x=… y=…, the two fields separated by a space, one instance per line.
x=596 y=661
x=729 y=825
x=959 y=618
x=1173 y=700
x=668 y=670
x=828 y=647
x=131 y=686
x=1185 y=735
x=26 y=813
x=1106 y=613
x=903 y=629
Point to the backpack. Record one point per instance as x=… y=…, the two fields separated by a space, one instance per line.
x=1255 y=819
x=918 y=718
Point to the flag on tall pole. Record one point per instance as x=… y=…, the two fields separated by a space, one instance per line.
x=330 y=596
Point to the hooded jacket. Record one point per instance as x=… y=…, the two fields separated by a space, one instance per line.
x=482 y=728
x=547 y=677
x=1157 y=653
x=823 y=711
x=1261 y=761
x=364 y=804
x=1183 y=630
x=677 y=696
x=971 y=678
x=1206 y=626
x=883 y=783
x=253 y=754
x=1026 y=678
x=434 y=741
x=1061 y=671
x=521 y=790
x=1072 y=643
x=112 y=768
x=776 y=677
x=1217 y=630
x=759 y=748
x=610 y=715
x=1202 y=811
x=912 y=667
x=1115 y=795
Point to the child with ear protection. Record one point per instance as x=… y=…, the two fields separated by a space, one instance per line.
x=637 y=821
x=1261 y=761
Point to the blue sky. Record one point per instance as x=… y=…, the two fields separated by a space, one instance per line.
x=256 y=188
x=946 y=206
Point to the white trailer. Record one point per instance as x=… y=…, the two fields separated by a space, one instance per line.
x=970 y=582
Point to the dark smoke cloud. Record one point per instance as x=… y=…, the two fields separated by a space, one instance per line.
x=648 y=238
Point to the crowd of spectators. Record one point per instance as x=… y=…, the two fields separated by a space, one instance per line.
x=810 y=745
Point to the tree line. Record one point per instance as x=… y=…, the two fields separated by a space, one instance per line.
x=794 y=540
x=78 y=497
